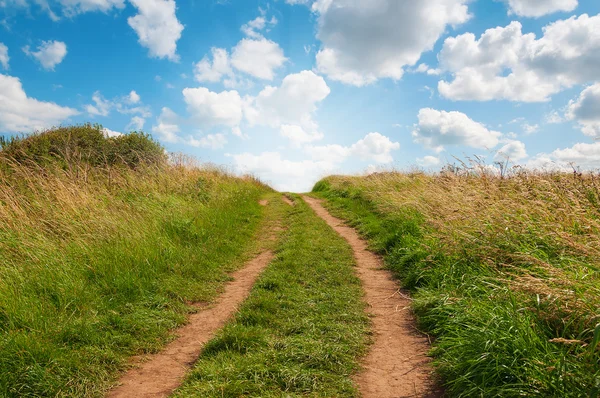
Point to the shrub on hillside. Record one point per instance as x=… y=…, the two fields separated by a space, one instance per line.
x=87 y=144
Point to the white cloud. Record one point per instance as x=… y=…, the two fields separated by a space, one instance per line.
x=48 y=54
x=211 y=109
x=110 y=133
x=530 y=128
x=167 y=129
x=363 y=41
x=428 y=161
x=586 y=110
x=20 y=113
x=436 y=129
x=4 y=58
x=133 y=97
x=252 y=29
x=584 y=156
x=373 y=147
x=283 y=174
x=238 y=133
x=553 y=118
x=157 y=27
x=102 y=107
x=293 y=102
x=74 y=7
x=299 y=176
x=205 y=71
x=258 y=57
x=298 y=136
x=506 y=64
x=539 y=8
x=136 y=123
x=513 y=150
x=210 y=141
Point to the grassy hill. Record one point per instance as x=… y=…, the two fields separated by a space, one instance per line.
x=104 y=243
x=505 y=272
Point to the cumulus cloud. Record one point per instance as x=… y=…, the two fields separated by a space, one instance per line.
x=253 y=28
x=530 y=128
x=133 y=97
x=585 y=110
x=207 y=71
x=363 y=41
x=74 y=7
x=157 y=27
x=20 y=113
x=258 y=57
x=48 y=54
x=124 y=105
x=110 y=133
x=300 y=175
x=293 y=102
x=298 y=136
x=506 y=64
x=553 y=118
x=283 y=174
x=582 y=155
x=102 y=106
x=512 y=150
x=373 y=147
x=4 y=58
x=167 y=128
x=429 y=161
x=437 y=129
x=210 y=141
x=136 y=123
x=210 y=109
x=539 y=8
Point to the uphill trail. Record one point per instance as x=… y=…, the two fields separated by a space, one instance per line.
x=397 y=364
x=160 y=374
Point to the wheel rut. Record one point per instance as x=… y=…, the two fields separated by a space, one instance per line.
x=160 y=374
x=397 y=364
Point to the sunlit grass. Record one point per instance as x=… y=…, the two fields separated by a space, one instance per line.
x=505 y=271
x=98 y=261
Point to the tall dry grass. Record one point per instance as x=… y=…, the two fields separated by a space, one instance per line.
x=103 y=244
x=506 y=270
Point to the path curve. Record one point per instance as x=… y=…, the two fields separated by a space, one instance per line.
x=397 y=364
x=164 y=372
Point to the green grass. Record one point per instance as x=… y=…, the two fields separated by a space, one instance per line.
x=492 y=336
x=301 y=331
x=98 y=266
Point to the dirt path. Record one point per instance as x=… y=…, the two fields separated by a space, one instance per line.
x=397 y=364
x=162 y=373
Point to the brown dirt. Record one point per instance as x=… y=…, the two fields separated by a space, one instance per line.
x=397 y=364
x=263 y=202
x=162 y=373
x=288 y=200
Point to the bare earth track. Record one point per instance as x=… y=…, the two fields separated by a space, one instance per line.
x=162 y=373
x=397 y=364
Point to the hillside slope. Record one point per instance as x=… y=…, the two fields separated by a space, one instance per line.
x=104 y=243
x=505 y=272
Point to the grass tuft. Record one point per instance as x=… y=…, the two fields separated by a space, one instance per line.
x=504 y=272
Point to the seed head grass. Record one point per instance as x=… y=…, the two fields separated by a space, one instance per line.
x=104 y=244
x=505 y=271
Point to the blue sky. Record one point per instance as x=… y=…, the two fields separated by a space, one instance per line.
x=292 y=90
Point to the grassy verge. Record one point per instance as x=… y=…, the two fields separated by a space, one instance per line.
x=504 y=273
x=100 y=262
x=301 y=330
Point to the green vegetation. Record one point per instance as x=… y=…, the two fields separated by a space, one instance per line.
x=301 y=330
x=104 y=243
x=505 y=272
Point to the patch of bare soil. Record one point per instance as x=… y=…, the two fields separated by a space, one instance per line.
x=397 y=364
x=263 y=202
x=288 y=200
x=162 y=373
